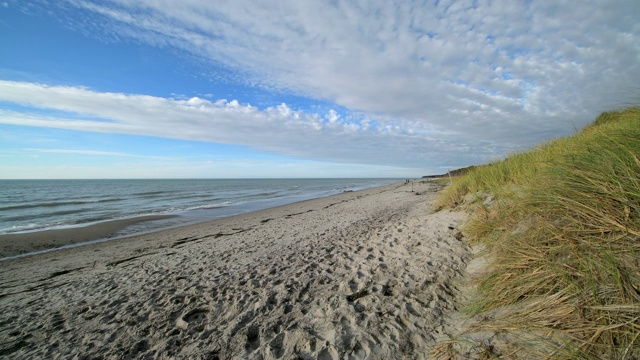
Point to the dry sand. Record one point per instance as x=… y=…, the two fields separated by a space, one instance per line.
x=360 y=275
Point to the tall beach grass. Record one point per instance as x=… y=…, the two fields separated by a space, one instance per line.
x=562 y=225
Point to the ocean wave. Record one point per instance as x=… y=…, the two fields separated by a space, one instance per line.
x=152 y=194
x=201 y=197
x=263 y=195
x=54 y=203
x=24 y=228
x=199 y=207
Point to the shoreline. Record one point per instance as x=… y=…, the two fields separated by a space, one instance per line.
x=363 y=274
x=21 y=244
x=15 y=245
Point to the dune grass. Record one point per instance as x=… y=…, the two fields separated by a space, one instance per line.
x=562 y=224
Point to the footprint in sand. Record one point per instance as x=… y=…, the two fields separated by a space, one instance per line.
x=253 y=338
x=191 y=318
x=278 y=345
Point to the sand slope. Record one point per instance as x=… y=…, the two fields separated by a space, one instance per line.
x=358 y=275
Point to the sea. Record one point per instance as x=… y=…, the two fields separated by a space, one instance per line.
x=38 y=205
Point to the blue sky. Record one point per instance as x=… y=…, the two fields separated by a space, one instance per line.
x=154 y=88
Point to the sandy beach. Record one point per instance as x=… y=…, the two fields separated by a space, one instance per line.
x=369 y=274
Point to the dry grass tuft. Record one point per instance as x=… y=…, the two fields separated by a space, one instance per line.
x=563 y=225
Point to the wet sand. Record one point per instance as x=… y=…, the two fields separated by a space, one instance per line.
x=24 y=243
x=359 y=275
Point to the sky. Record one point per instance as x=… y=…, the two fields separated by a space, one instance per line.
x=289 y=88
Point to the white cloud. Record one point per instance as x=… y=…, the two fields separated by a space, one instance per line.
x=438 y=83
x=400 y=57
x=280 y=130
